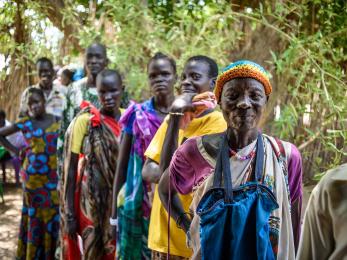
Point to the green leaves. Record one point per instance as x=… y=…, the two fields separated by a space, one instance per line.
x=303 y=44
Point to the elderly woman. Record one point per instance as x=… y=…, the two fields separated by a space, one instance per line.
x=247 y=185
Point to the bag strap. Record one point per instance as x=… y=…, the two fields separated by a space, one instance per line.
x=223 y=170
x=168 y=222
x=228 y=183
x=259 y=159
x=281 y=147
x=218 y=170
x=280 y=152
x=223 y=165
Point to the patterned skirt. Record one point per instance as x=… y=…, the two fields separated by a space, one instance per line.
x=39 y=224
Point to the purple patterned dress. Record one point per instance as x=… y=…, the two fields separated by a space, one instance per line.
x=134 y=206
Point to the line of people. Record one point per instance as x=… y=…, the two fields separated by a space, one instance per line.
x=171 y=177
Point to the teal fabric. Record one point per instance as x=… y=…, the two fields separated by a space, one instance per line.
x=131 y=224
x=141 y=122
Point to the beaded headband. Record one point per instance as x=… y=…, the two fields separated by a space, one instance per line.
x=242 y=69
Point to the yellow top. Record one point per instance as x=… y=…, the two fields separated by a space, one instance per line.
x=79 y=131
x=157 y=237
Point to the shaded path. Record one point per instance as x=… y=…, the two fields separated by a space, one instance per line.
x=10 y=213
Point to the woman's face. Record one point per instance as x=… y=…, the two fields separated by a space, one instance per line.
x=110 y=92
x=243 y=101
x=162 y=77
x=36 y=105
x=195 y=78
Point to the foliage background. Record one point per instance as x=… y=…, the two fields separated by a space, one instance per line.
x=302 y=43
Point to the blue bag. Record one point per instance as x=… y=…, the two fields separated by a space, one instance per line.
x=234 y=224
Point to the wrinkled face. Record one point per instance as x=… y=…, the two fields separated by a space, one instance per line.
x=243 y=101
x=110 y=92
x=45 y=73
x=36 y=105
x=195 y=78
x=161 y=76
x=95 y=59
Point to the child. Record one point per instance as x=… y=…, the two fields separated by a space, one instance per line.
x=17 y=140
x=40 y=213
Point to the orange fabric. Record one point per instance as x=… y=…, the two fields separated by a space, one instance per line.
x=96 y=118
x=201 y=102
x=113 y=124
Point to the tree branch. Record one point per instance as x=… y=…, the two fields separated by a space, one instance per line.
x=54 y=10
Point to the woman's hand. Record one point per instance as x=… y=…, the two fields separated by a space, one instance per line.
x=71 y=226
x=183 y=103
x=186 y=222
x=184 y=109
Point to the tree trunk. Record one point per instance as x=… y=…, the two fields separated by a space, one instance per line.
x=18 y=77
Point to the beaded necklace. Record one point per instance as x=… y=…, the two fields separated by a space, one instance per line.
x=164 y=113
x=156 y=108
x=240 y=157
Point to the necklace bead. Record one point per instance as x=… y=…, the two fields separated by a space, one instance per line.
x=163 y=112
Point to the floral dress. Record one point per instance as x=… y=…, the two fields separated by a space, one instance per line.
x=39 y=224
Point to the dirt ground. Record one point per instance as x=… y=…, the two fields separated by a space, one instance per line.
x=10 y=216
x=10 y=212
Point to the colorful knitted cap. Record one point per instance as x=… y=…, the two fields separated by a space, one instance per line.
x=242 y=69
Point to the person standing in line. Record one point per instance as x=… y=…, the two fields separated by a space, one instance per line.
x=140 y=123
x=39 y=225
x=246 y=185
x=17 y=140
x=325 y=222
x=66 y=76
x=191 y=114
x=91 y=152
x=54 y=93
x=83 y=89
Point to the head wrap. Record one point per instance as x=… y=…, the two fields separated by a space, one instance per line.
x=243 y=69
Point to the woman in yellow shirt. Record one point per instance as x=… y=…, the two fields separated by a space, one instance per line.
x=198 y=77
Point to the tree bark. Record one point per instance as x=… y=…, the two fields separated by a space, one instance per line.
x=18 y=78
